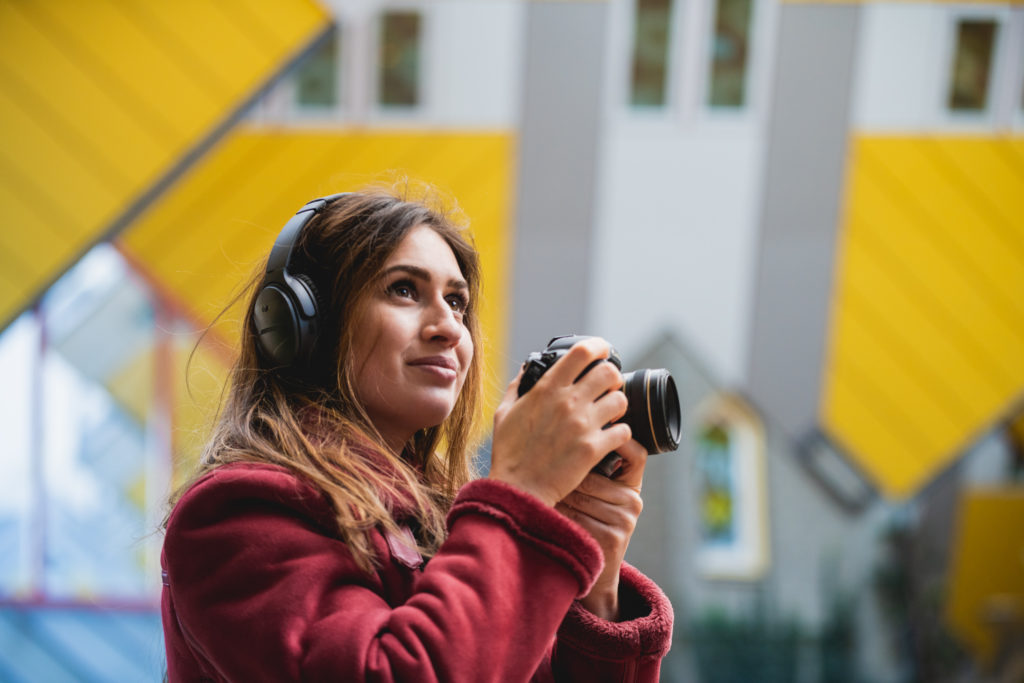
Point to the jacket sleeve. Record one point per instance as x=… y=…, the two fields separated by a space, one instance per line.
x=590 y=648
x=261 y=590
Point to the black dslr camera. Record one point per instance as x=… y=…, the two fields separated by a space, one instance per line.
x=653 y=411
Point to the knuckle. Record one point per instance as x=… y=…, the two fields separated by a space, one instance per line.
x=580 y=351
x=608 y=374
x=575 y=421
x=590 y=449
x=637 y=505
x=594 y=347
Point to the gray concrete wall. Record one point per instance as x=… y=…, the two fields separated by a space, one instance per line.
x=805 y=163
x=559 y=136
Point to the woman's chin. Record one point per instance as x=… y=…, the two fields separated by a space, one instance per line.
x=428 y=414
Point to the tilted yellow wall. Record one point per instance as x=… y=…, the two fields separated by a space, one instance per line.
x=927 y=336
x=99 y=100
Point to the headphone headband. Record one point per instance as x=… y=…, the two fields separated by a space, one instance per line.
x=281 y=254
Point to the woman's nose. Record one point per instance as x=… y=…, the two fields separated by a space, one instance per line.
x=442 y=323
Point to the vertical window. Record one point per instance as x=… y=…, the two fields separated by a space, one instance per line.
x=398 y=83
x=98 y=384
x=730 y=49
x=731 y=490
x=316 y=78
x=717 y=488
x=650 y=53
x=972 y=65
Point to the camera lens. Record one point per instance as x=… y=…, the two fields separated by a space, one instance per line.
x=653 y=413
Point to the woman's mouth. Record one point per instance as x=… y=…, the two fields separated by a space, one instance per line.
x=441 y=367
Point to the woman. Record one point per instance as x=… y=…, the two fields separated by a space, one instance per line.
x=326 y=538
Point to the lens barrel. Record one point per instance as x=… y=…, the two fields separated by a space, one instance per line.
x=653 y=412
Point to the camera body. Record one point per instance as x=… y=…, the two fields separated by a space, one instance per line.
x=539 y=362
x=653 y=404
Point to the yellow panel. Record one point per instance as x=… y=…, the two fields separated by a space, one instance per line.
x=960 y=182
x=214 y=228
x=33 y=158
x=162 y=90
x=993 y=173
x=987 y=572
x=892 y=376
x=926 y=347
x=87 y=132
x=102 y=100
x=946 y=292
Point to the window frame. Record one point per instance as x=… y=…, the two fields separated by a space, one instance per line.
x=688 y=69
x=385 y=113
x=307 y=112
x=996 y=112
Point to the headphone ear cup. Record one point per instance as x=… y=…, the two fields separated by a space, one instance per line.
x=311 y=305
x=277 y=322
x=313 y=291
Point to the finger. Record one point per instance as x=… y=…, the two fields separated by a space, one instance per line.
x=611 y=439
x=567 y=368
x=600 y=380
x=622 y=514
x=597 y=488
x=610 y=407
x=575 y=515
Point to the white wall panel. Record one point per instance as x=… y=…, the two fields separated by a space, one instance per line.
x=676 y=242
x=896 y=81
x=476 y=60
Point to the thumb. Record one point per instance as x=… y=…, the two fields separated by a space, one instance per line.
x=512 y=392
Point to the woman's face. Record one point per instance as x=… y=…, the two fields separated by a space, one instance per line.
x=411 y=348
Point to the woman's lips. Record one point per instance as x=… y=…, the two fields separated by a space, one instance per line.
x=441 y=367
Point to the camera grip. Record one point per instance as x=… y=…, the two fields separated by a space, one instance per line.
x=609 y=465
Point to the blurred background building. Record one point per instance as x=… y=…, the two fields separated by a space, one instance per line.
x=812 y=213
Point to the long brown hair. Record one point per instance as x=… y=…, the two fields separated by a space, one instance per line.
x=313 y=424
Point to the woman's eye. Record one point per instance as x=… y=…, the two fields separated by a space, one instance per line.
x=458 y=303
x=403 y=290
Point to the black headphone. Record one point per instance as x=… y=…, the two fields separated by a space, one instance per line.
x=288 y=305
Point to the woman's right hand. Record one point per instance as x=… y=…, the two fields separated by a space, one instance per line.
x=546 y=441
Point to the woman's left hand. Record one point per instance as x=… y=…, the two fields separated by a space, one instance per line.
x=609 y=509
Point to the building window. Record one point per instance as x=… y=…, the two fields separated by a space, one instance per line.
x=730 y=49
x=717 y=488
x=972 y=65
x=731 y=490
x=399 y=55
x=316 y=77
x=650 y=53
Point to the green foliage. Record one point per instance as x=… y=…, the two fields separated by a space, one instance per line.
x=735 y=649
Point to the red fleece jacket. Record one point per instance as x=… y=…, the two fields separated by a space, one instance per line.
x=258 y=586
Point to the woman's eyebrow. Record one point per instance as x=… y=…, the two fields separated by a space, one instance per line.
x=423 y=274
